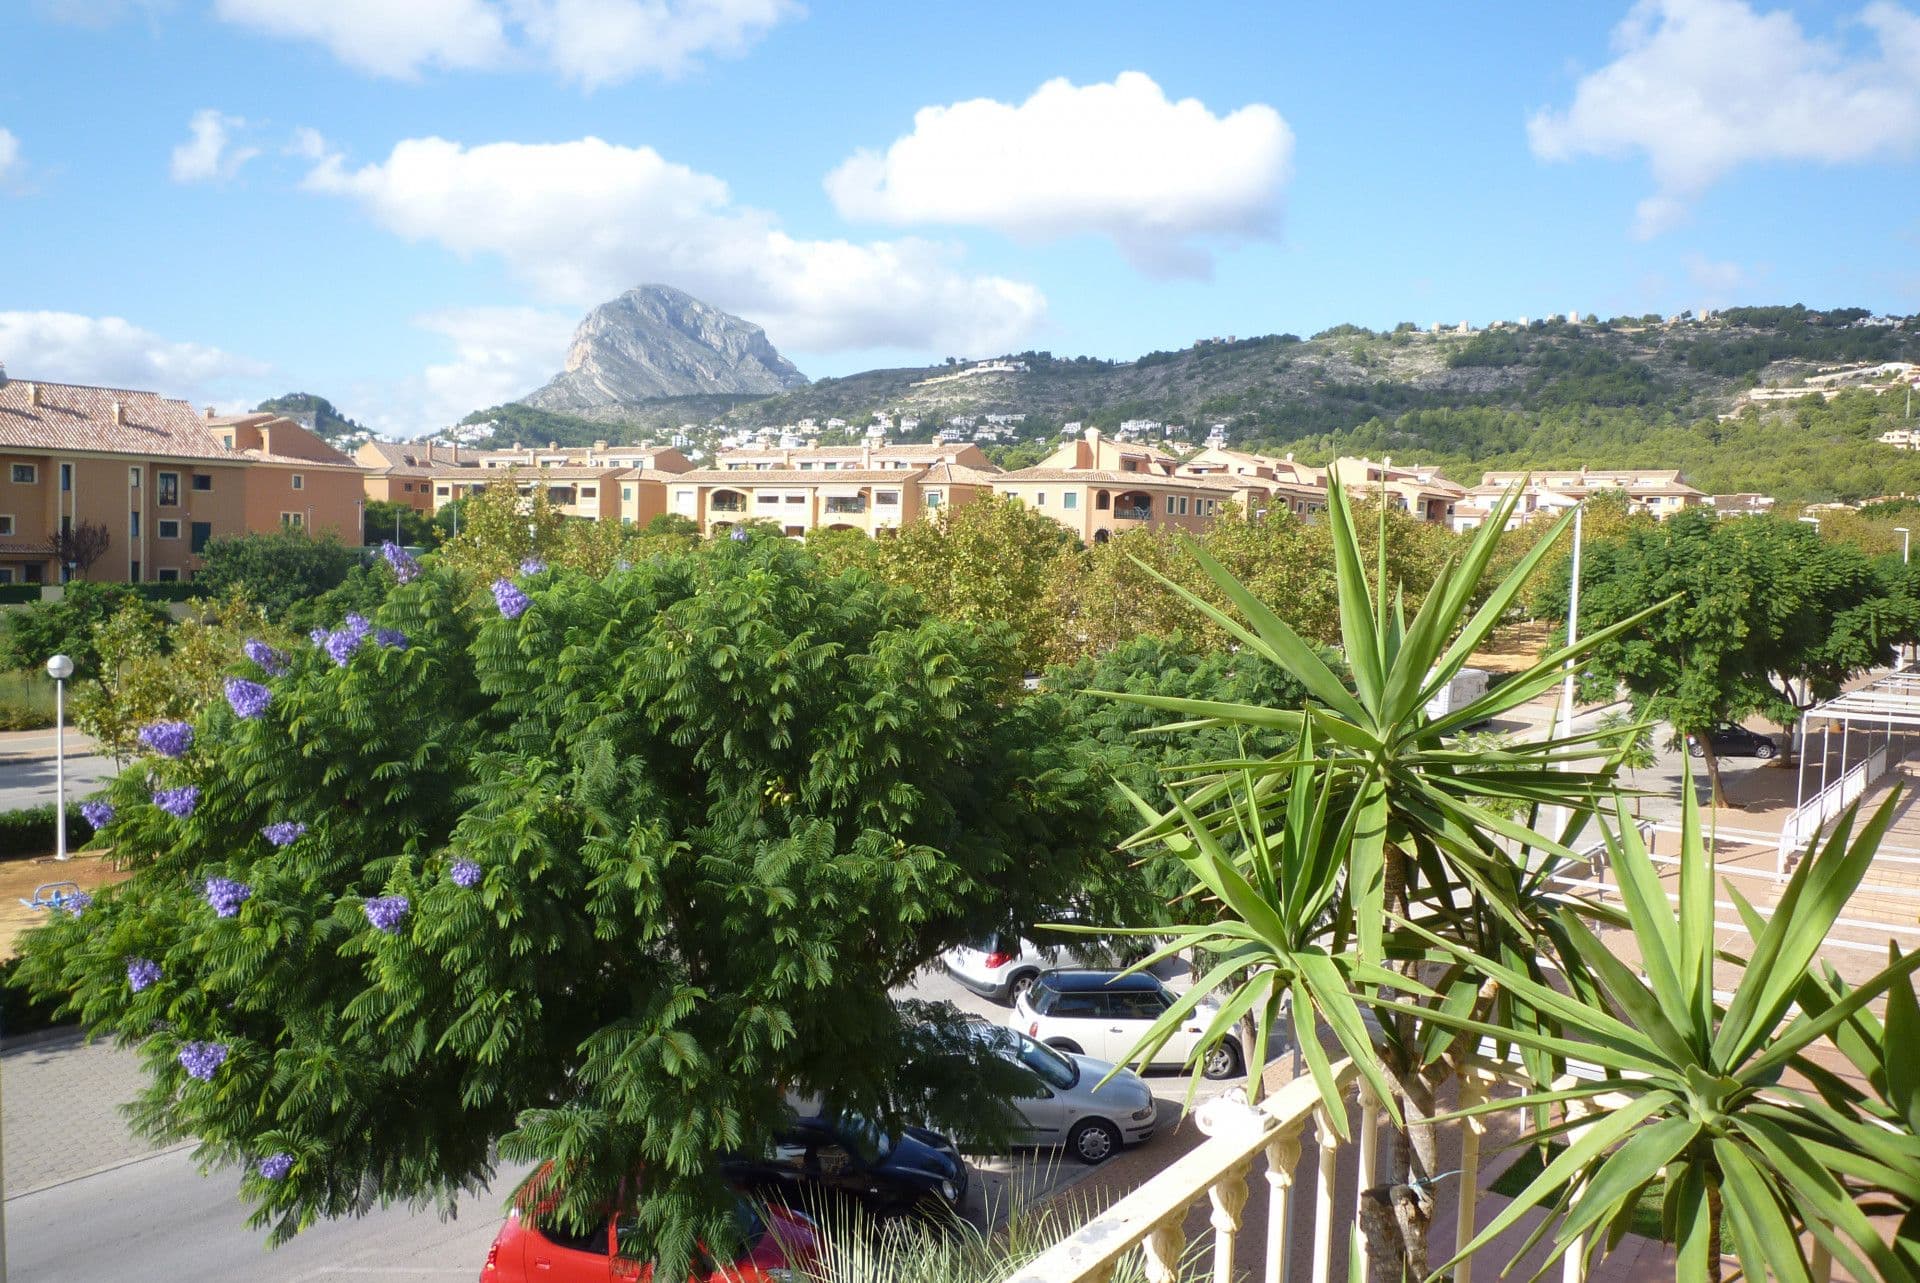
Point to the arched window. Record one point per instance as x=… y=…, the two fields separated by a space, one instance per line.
x=1101 y=501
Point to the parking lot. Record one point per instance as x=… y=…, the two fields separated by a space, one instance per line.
x=1028 y=1175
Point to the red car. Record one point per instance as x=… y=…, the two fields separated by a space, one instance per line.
x=779 y=1245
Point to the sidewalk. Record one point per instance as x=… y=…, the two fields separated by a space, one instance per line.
x=62 y=1115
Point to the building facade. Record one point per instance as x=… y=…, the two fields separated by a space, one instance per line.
x=1098 y=487
x=150 y=482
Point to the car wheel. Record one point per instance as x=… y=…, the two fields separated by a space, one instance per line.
x=1094 y=1140
x=1223 y=1061
x=1764 y=751
x=1018 y=985
x=1694 y=750
x=1067 y=1045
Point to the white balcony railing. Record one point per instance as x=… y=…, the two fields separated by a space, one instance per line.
x=1219 y=1172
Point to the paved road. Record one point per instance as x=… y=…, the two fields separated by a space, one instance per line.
x=160 y=1219
x=26 y=768
x=88 y=1201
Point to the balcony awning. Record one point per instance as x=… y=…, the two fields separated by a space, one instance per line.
x=1892 y=700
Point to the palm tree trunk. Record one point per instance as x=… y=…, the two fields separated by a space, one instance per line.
x=1401 y=1237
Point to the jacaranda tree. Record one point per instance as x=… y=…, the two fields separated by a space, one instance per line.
x=594 y=871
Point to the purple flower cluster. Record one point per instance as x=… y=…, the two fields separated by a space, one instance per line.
x=169 y=739
x=385 y=912
x=142 y=972
x=512 y=602
x=226 y=896
x=390 y=637
x=271 y=661
x=533 y=566
x=98 y=814
x=318 y=636
x=739 y=535
x=249 y=699
x=405 y=568
x=285 y=833
x=200 y=1059
x=341 y=645
x=77 y=903
x=179 y=802
x=358 y=626
x=465 y=873
x=276 y=1166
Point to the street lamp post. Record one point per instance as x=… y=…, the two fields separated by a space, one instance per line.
x=1906 y=548
x=60 y=667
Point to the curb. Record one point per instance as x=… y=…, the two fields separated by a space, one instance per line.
x=100 y=1170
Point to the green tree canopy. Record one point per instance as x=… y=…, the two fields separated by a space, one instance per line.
x=276 y=570
x=67 y=626
x=401 y=523
x=595 y=876
x=1765 y=619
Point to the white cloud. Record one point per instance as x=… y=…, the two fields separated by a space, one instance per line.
x=9 y=154
x=108 y=351
x=583 y=220
x=596 y=42
x=499 y=354
x=1701 y=87
x=210 y=153
x=1116 y=159
x=381 y=36
x=591 y=42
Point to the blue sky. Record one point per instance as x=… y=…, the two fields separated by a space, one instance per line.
x=399 y=205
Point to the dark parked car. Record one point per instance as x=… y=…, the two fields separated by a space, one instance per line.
x=850 y=1160
x=1735 y=741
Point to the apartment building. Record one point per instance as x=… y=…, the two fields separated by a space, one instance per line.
x=294 y=479
x=1421 y=492
x=874 y=488
x=159 y=479
x=402 y=471
x=644 y=457
x=873 y=455
x=633 y=496
x=1265 y=484
x=1660 y=492
x=1097 y=487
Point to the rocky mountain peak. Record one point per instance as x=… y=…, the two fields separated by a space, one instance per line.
x=657 y=341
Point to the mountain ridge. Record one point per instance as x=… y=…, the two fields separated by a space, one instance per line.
x=656 y=341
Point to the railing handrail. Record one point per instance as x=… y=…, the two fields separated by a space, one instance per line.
x=1103 y=1241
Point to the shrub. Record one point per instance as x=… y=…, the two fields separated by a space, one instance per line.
x=30 y=831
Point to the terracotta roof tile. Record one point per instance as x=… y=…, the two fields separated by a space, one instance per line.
x=68 y=417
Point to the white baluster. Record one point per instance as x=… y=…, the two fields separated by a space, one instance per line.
x=1162 y=1251
x=1573 y=1267
x=1283 y=1152
x=1475 y=1127
x=1229 y=1197
x=1329 y=1141
x=1369 y=1174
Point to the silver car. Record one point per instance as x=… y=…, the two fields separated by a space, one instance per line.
x=1092 y=1118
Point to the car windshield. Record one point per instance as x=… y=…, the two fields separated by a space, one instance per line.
x=1055 y=1070
x=862 y=1136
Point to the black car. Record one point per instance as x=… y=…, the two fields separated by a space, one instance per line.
x=850 y=1160
x=1734 y=741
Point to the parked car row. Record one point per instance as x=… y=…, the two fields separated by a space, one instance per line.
x=1067 y=1028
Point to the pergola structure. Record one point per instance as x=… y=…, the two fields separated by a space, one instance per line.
x=1888 y=704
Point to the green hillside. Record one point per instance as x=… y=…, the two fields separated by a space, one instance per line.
x=327 y=420
x=1628 y=392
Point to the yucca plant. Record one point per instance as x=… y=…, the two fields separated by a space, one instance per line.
x=1752 y=1145
x=1277 y=890
x=1418 y=826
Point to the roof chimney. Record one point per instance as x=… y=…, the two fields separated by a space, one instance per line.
x=553 y=445
x=3 y=374
x=600 y=445
x=209 y=412
x=33 y=394
x=119 y=413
